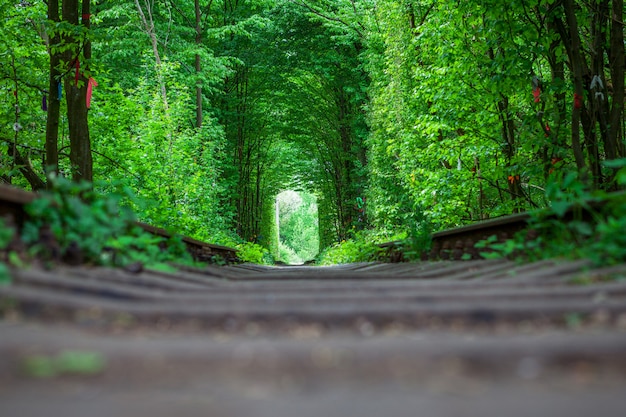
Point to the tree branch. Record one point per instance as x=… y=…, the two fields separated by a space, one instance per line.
x=25 y=167
x=316 y=12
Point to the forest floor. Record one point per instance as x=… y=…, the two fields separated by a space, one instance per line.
x=436 y=339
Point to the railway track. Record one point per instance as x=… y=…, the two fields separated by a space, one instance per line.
x=379 y=295
x=446 y=338
x=459 y=243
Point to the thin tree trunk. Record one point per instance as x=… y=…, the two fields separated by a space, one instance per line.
x=148 y=25
x=198 y=65
x=554 y=152
x=573 y=46
x=54 y=101
x=508 y=136
x=16 y=107
x=616 y=63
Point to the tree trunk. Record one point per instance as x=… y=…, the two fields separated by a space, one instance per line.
x=571 y=39
x=76 y=94
x=26 y=169
x=508 y=137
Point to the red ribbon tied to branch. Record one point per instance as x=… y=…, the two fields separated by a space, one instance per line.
x=91 y=83
x=578 y=101
x=537 y=94
x=546 y=130
x=536 y=89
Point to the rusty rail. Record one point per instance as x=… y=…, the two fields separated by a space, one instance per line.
x=460 y=242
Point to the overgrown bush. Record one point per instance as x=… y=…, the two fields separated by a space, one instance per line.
x=253 y=253
x=74 y=223
x=359 y=249
x=578 y=224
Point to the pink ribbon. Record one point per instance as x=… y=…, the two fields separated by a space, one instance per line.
x=91 y=83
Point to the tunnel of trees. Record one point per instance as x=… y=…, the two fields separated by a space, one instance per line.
x=383 y=111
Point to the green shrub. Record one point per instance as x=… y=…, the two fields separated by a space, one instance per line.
x=579 y=224
x=96 y=229
x=253 y=253
x=359 y=249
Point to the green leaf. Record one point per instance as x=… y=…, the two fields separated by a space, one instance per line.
x=615 y=163
x=560 y=207
x=620 y=176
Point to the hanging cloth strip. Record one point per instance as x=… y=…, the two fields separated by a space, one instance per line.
x=578 y=101
x=537 y=94
x=536 y=89
x=90 y=86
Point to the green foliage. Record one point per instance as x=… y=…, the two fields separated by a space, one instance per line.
x=320 y=97
x=397 y=104
x=253 y=253
x=287 y=255
x=174 y=170
x=359 y=249
x=23 y=64
x=455 y=127
x=418 y=240
x=298 y=226
x=579 y=224
x=93 y=228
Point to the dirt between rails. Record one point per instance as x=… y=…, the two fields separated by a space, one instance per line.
x=530 y=366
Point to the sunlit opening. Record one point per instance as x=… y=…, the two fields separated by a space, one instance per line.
x=297 y=227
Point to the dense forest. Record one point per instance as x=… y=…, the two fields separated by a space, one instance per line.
x=384 y=114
